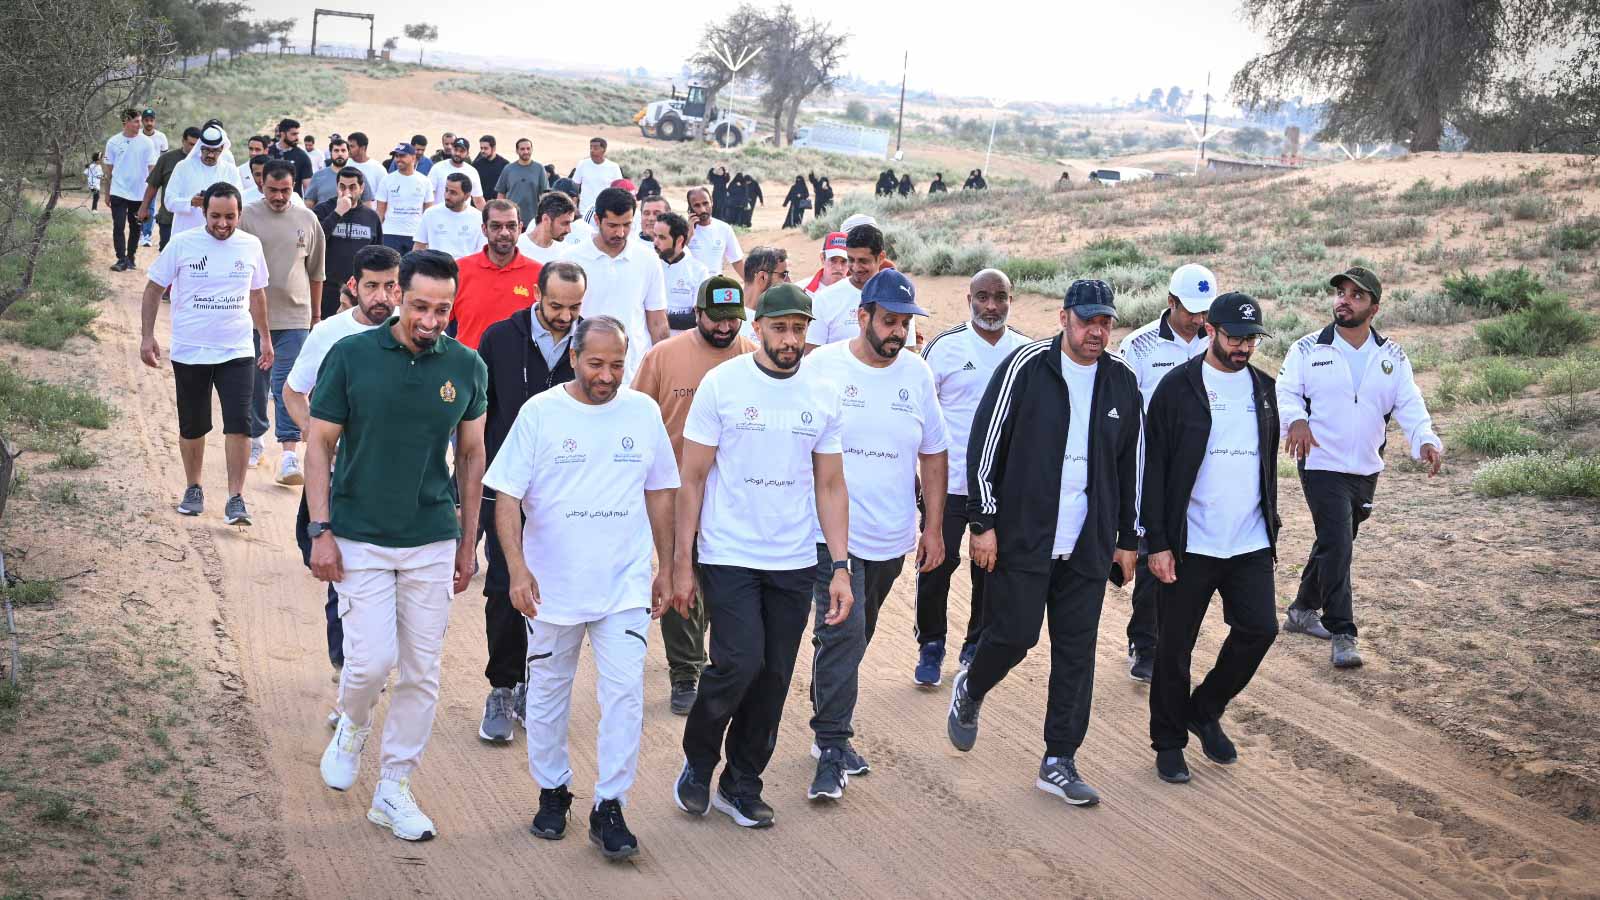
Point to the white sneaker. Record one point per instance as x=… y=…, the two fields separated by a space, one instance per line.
x=289 y=470
x=256 y=449
x=394 y=808
x=341 y=762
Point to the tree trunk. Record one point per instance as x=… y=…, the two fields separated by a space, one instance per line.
x=419 y=54
x=779 y=138
x=36 y=242
x=1429 y=129
x=794 y=113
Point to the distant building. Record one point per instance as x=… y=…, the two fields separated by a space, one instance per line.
x=1234 y=165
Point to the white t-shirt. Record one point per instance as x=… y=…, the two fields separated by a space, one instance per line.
x=835 y=309
x=93 y=175
x=887 y=417
x=442 y=171
x=190 y=177
x=1074 y=505
x=1225 y=507
x=538 y=254
x=406 y=195
x=683 y=279
x=623 y=287
x=581 y=233
x=1356 y=357
x=159 y=139
x=211 y=281
x=456 y=233
x=759 y=507
x=962 y=363
x=373 y=171
x=715 y=245
x=582 y=471
x=130 y=159
x=592 y=178
x=303 y=377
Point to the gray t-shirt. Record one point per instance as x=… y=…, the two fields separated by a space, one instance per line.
x=325 y=186
x=523 y=185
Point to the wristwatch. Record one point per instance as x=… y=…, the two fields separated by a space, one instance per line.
x=978 y=527
x=315 y=530
x=841 y=564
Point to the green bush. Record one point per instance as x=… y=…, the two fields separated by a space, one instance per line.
x=1583 y=234
x=1430 y=309
x=1502 y=290
x=1022 y=268
x=1388 y=231
x=1495 y=436
x=1497 y=380
x=1107 y=252
x=1540 y=475
x=1530 y=207
x=1574 y=375
x=1546 y=328
x=1193 y=243
x=64 y=297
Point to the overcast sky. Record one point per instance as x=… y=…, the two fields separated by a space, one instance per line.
x=1019 y=49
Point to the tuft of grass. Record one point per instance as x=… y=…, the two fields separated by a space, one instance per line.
x=1106 y=253
x=32 y=593
x=1573 y=375
x=1429 y=309
x=1582 y=234
x=1530 y=207
x=47 y=413
x=1496 y=380
x=64 y=493
x=63 y=300
x=1495 y=436
x=1388 y=231
x=1193 y=243
x=1540 y=475
x=1546 y=328
x=1022 y=268
x=1502 y=290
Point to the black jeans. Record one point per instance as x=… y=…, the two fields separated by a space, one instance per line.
x=757 y=620
x=164 y=229
x=933 y=588
x=331 y=608
x=124 y=226
x=1339 y=504
x=1017 y=602
x=1249 y=608
x=505 y=629
x=837 y=650
x=1142 y=620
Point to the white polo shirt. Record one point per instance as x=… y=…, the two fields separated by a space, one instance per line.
x=538 y=254
x=456 y=233
x=1154 y=349
x=623 y=287
x=211 y=281
x=962 y=363
x=715 y=245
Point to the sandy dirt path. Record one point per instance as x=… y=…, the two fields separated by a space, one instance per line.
x=1330 y=798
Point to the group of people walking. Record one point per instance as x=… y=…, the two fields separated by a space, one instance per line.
x=634 y=433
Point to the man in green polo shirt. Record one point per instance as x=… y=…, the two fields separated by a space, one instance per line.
x=389 y=400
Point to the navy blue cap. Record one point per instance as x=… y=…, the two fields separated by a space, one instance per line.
x=1237 y=314
x=892 y=291
x=1090 y=297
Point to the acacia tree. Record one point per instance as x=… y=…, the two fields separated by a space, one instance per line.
x=799 y=59
x=1396 y=69
x=422 y=33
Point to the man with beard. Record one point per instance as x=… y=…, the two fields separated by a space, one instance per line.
x=526 y=355
x=374 y=283
x=325 y=183
x=836 y=304
x=390 y=400
x=1337 y=391
x=497 y=280
x=490 y=164
x=218 y=279
x=892 y=431
x=452 y=226
x=155 y=192
x=590 y=445
x=349 y=226
x=1052 y=469
x=158 y=139
x=962 y=360
x=403 y=196
x=764 y=268
x=681 y=272
x=713 y=241
x=1210 y=514
x=545 y=238
x=292 y=239
x=625 y=280
x=1153 y=351
x=287 y=147
x=762 y=466
x=456 y=164
x=670 y=374
x=523 y=181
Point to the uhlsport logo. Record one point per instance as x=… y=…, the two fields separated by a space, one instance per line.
x=627 y=443
x=447 y=392
x=569 y=445
x=751 y=413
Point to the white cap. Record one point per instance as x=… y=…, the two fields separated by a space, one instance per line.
x=857 y=219
x=1194 y=286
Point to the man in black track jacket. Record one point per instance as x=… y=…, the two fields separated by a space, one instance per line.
x=1051 y=465
x=1210 y=514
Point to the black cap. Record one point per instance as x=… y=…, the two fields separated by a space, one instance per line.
x=566 y=186
x=1237 y=314
x=460 y=144
x=1090 y=297
x=1362 y=278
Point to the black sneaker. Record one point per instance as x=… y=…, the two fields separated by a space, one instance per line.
x=747 y=812
x=830 y=780
x=121 y=265
x=1214 y=741
x=854 y=762
x=610 y=833
x=692 y=795
x=550 y=822
x=962 y=722
x=1172 y=767
x=968 y=651
x=1141 y=664
x=683 y=694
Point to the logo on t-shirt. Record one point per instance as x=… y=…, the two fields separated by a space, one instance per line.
x=1388 y=367
x=969 y=367
x=447 y=392
x=805 y=417
x=240 y=265
x=520 y=291
x=851 y=391
x=627 y=443
x=199 y=266
x=569 y=445
x=904 y=395
x=751 y=413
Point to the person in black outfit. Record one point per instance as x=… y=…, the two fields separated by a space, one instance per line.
x=737 y=199
x=1051 y=468
x=526 y=354
x=287 y=146
x=937 y=185
x=648 y=185
x=906 y=188
x=718 y=179
x=490 y=164
x=1211 y=525
x=752 y=196
x=348 y=225
x=886 y=183
x=797 y=200
x=822 y=191
x=975 y=181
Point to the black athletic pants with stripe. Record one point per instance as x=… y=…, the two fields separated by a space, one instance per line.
x=933 y=588
x=1339 y=503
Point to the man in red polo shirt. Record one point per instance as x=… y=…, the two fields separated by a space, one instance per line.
x=497 y=280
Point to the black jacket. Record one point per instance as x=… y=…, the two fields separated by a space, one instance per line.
x=517 y=372
x=1019 y=436
x=1175 y=433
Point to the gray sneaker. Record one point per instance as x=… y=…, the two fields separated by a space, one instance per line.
x=235 y=513
x=519 y=703
x=497 y=726
x=1345 y=654
x=831 y=779
x=854 y=763
x=194 y=501
x=962 y=723
x=1305 y=621
x=1061 y=778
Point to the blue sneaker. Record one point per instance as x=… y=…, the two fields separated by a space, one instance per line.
x=929 y=664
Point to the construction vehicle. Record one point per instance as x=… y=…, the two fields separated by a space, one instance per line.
x=675 y=119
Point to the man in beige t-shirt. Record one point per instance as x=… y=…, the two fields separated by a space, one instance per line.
x=292 y=240
x=670 y=373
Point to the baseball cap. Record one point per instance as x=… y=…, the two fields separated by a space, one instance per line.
x=721 y=297
x=784 y=300
x=404 y=150
x=892 y=291
x=148 y=113
x=857 y=219
x=1362 y=278
x=833 y=245
x=566 y=186
x=1237 y=314
x=1089 y=297
x=461 y=144
x=1194 y=286
x=624 y=184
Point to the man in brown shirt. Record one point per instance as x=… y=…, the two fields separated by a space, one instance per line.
x=670 y=373
x=292 y=241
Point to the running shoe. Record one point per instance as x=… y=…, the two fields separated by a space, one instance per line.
x=1305 y=621
x=289 y=470
x=1171 y=766
x=746 y=812
x=1061 y=778
x=193 y=502
x=235 y=512
x=692 y=795
x=854 y=762
x=394 y=808
x=831 y=779
x=341 y=761
x=519 y=703
x=1344 y=652
x=256 y=449
x=609 y=831
x=497 y=724
x=968 y=651
x=550 y=822
x=683 y=696
x=929 y=663
x=962 y=722
x=1141 y=664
